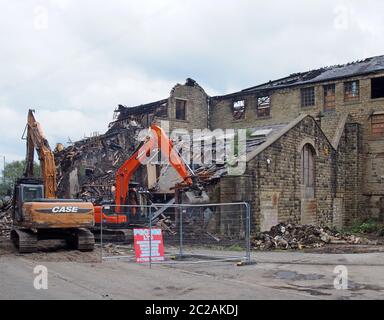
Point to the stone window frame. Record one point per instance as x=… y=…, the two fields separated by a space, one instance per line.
x=261 y=104
x=329 y=99
x=308 y=170
x=185 y=109
x=349 y=95
x=307 y=141
x=238 y=112
x=308 y=97
x=377 y=126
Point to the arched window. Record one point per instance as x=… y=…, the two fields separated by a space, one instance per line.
x=308 y=171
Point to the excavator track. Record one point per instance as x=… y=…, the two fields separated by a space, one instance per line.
x=114 y=235
x=25 y=241
x=85 y=240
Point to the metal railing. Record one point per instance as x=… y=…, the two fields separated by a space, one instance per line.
x=192 y=233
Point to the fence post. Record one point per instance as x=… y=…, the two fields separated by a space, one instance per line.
x=150 y=237
x=181 y=253
x=248 y=232
x=101 y=232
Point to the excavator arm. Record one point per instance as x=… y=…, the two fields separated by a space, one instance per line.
x=155 y=139
x=36 y=140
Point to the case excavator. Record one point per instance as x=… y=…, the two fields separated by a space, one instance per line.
x=37 y=213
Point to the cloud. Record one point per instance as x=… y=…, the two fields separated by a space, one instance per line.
x=58 y=126
x=74 y=61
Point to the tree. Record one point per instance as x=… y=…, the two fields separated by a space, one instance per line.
x=11 y=173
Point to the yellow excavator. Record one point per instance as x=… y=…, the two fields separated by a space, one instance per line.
x=37 y=213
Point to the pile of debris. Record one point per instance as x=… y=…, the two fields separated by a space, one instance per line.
x=91 y=163
x=116 y=250
x=5 y=218
x=294 y=236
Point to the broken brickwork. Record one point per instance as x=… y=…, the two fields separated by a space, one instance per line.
x=87 y=168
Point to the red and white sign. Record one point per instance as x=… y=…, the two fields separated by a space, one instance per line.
x=142 y=245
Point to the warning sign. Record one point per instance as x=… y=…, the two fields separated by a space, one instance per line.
x=147 y=246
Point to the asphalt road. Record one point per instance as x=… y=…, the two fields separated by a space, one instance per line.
x=286 y=275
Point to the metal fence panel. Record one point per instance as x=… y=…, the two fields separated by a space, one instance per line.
x=191 y=232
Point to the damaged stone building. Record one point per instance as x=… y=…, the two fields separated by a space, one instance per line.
x=315 y=145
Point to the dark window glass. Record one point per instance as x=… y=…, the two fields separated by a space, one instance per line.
x=181 y=109
x=377 y=87
x=308 y=97
x=32 y=193
x=308 y=171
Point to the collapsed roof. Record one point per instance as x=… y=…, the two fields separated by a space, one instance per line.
x=255 y=138
x=357 y=68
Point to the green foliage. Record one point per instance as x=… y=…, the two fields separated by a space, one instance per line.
x=11 y=173
x=366 y=226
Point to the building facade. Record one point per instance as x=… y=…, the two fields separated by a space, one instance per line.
x=355 y=91
x=317 y=154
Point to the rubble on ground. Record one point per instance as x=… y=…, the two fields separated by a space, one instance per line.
x=5 y=218
x=294 y=236
x=116 y=250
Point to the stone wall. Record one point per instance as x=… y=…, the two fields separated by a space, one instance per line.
x=286 y=106
x=277 y=186
x=196 y=107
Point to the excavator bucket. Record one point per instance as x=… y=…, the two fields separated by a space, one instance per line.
x=193 y=197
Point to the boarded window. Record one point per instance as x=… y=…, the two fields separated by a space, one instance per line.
x=181 y=110
x=308 y=97
x=238 y=109
x=352 y=91
x=263 y=106
x=329 y=97
x=308 y=171
x=162 y=111
x=377 y=121
x=377 y=87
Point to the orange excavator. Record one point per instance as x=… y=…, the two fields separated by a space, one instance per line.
x=37 y=214
x=125 y=217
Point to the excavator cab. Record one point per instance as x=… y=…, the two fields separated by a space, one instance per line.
x=26 y=190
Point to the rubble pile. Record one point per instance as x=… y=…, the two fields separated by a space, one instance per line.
x=5 y=218
x=92 y=162
x=294 y=236
x=115 y=250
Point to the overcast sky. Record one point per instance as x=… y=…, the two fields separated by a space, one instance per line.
x=74 y=61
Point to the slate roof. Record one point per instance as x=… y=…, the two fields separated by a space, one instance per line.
x=358 y=68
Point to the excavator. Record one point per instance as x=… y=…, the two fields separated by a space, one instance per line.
x=117 y=221
x=37 y=213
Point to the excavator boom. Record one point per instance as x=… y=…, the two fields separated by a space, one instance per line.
x=36 y=140
x=41 y=218
x=156 y=138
